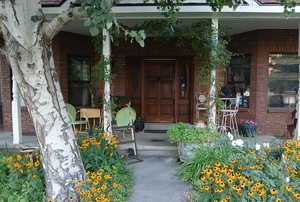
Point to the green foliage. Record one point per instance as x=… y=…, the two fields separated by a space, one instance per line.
x=186 y=133
x=107 y=175
x=245 y=173
x=21 y=178
x=289 y=7
x=100 y=17
x=190 y=169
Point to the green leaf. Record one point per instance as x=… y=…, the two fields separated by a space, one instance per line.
x=94 y=31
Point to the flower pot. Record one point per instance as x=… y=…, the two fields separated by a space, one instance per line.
x=248 y=130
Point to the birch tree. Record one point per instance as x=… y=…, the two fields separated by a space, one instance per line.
x=28 y=50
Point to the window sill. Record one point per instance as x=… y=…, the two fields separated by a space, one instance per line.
x=244 y=109
x=280 y=110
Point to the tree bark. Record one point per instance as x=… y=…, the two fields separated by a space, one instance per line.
x=29 y=53
x=107 y=115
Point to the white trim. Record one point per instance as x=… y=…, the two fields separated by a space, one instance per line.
x=298 y=103
x=16 y=114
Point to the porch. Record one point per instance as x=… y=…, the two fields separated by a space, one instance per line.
x=160 y=80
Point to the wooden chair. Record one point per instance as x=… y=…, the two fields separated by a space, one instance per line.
x=91 y=114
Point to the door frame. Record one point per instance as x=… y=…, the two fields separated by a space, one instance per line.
x=176 y=83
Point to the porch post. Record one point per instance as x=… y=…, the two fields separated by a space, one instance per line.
x=16 y=114
x=213 y=77
x=107 y=119
x=298 y=103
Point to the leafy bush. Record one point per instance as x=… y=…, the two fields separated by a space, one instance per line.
x=248 y=174
x=107 y=178
x=190 y=169
x=21 y=177
x=182 y=132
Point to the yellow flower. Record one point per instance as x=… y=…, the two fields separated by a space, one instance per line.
x=261 y=192
x=296 y=195
x=250 y=193
x=19 y=157
x=216 y=174
x=219 y=190
x=116 y=185
x=104 y=187
x=230 y=181
x=202 y=178
x=218 y=164
x=253 y=188
x=223 y=200
x=35 y=176
x=108 y=177
x=273 y=191
x=278 y=200
x=96 y=182
x=240 y=167
x=235 y=161
x=222 y=184
x=228 y=197
x=37 y=164
x=110 y=193
x=288 y=188
x=206 y=188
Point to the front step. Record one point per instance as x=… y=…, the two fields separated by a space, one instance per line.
x=149 y=150
x=158 y=126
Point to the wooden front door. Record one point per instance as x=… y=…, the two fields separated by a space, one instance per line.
x=159 y=91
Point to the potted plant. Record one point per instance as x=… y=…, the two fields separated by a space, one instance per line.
x=248 y=128
x=189 y=137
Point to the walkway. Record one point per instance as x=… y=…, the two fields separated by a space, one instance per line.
x=156 y=181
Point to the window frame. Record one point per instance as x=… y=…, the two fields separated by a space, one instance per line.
x=268 y=81
x=79 y=82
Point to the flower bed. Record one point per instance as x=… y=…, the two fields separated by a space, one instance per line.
x=107 y=178
x=246 y=173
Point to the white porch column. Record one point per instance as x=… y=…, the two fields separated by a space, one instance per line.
x=16 y=114
x=107 y=119
x=213 y=77
x=298 y=105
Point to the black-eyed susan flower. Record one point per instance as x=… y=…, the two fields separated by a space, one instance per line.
x=273 y=191
x=250 y=193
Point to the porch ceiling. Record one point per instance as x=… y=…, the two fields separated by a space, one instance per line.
x=230 y=25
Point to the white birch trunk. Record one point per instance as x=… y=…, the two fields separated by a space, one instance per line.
x=29 y=54
x=107 y=116
x=213 y=76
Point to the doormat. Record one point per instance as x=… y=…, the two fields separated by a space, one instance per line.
x=157 y=140
x=155 y=131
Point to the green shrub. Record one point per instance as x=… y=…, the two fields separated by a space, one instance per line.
x=190 y=169
x=186 y=133
x=21 y=177
x=107 y=178
x=246 y=173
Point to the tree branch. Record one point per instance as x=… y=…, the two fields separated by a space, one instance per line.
x=53 y=27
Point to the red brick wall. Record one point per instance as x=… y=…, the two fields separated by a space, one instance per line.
x=64 y=44
x=260 y=44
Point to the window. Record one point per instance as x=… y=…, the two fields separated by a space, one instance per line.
x=79 y=79
x=283 y=80
x=238 y=80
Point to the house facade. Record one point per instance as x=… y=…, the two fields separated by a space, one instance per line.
x=161 y=79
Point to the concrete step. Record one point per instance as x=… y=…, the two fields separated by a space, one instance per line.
x=158 y=126
x=150 y=150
